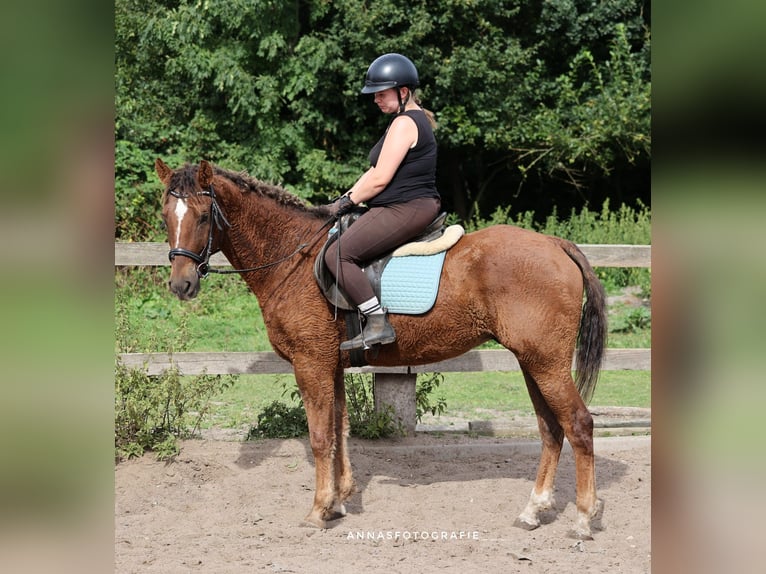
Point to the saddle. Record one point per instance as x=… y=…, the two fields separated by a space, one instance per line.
x=427 y=243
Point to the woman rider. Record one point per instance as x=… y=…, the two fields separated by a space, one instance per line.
x=399 y=189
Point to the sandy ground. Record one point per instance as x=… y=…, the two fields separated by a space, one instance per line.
x=428 y=503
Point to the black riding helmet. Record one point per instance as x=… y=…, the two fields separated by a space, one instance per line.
x=391 y=71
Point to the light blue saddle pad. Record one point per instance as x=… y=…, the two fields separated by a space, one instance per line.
x=409 y=284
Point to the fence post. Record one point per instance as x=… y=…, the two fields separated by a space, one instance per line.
x=398 y=391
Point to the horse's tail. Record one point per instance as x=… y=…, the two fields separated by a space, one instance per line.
x=592 y=336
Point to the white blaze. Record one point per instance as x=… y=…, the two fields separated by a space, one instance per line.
x=180 y=211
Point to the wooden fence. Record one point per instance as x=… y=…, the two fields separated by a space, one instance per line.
x=394 y=386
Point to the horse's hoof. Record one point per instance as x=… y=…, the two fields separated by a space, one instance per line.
x=312 y=521
x=581 y=529
x=526 y=523
x=580 y=534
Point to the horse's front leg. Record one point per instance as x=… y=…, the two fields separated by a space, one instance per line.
x=318 y=392
x=344 y=480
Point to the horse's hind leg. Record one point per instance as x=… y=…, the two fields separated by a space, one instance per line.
x=565 y=411
x=552 y=436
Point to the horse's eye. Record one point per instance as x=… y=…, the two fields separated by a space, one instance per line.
x=204 y=218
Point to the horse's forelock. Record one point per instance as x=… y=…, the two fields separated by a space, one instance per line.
x=184 y=182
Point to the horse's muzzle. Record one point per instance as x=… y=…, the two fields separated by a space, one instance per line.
x=185 y=285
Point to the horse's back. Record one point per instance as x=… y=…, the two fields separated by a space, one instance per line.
x=511 y=255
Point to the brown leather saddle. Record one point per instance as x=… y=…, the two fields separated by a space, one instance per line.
x=373 y=269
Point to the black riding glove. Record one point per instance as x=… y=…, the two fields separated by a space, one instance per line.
x=341 y=206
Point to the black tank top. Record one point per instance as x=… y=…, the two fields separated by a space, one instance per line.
x=416 y=175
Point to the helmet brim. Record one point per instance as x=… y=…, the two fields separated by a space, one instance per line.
x=374 y=87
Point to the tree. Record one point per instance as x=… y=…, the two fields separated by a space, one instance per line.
x=539 y=103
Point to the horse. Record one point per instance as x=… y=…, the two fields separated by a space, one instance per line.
x=535 y=294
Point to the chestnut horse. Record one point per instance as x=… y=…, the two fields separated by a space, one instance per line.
x=521 y=288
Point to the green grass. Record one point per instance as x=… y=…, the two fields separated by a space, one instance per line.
x=507 y=392
x=474 y=395
x=225 y=316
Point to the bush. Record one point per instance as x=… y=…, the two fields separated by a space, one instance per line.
x=426 y=385
x=278 y=420
x=152 y=412
x=364 y=420
x=633 y=321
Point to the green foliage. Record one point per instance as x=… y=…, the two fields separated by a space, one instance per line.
x=599 y=113
x=634 y=321
x=152 y=412
x=137 y=209
x=364 y=420
x=553 y=95
x=427 y=383
x=278 y=420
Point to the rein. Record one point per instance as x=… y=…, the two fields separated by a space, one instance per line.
x=217 y=216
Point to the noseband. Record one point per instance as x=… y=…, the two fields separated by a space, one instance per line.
x=202 y=259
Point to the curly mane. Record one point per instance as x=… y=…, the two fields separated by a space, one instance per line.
x=184 y=181
x=249 y=184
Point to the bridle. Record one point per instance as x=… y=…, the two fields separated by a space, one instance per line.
x=202 y=259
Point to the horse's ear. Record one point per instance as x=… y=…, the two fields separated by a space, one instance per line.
x=205 y=174
x=163 y=171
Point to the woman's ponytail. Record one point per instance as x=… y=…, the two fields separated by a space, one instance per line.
x=429 y=114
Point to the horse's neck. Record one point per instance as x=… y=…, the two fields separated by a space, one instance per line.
x=263 y=232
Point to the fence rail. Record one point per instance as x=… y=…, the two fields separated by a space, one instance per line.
x=267 y=363
x=393 y=385
x=156 y=254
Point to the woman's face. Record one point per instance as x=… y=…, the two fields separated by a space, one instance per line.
x=387 y=101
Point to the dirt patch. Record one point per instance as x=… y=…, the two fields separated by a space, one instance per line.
x=443 y=503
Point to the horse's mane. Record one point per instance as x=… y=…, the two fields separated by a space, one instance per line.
x=249 y=184
x=186 y=178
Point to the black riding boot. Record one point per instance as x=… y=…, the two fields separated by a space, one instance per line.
x=377 y=331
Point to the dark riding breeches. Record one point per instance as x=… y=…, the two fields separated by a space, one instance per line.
x=376 y=232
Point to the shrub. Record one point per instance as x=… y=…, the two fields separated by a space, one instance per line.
x=426 y=385
x=633 y=321
x=152 y=412
x=278 y=420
